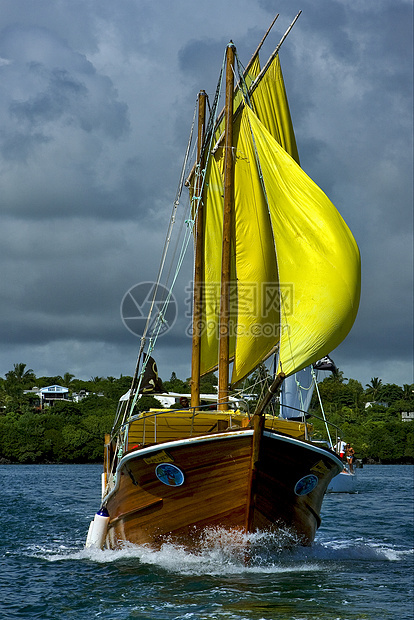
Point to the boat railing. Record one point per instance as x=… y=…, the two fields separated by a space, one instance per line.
x=187 y=415
x=338 y=431
x=201 y=408
x=161 y=425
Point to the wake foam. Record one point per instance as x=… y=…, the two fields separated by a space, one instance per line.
x=221 y=552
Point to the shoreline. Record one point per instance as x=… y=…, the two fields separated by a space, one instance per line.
x=365 y=461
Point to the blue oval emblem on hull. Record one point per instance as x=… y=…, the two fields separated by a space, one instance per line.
x=169 y=474
x=306 y=484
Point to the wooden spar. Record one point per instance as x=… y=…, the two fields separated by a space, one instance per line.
x=258 y=48
x=198 y=263
x=272 y=57
x=258 y=428
x=269 y=394
x=223 y=382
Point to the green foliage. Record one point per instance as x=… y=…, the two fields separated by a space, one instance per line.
x=45 y=381
x=390 y=392
x=65 y=436
x=208 y=383
x=147 y=402
x=71 y=432
x=376 y=432
x=177 y=385
x=68 y=432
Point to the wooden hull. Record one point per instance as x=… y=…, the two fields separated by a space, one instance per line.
x=215 y=488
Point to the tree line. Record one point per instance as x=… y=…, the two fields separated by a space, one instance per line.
x=73 y=432
x=369 y=418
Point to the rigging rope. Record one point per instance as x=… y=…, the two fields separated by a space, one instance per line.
x=314 y=375
x=160 y=319
x=134 y=390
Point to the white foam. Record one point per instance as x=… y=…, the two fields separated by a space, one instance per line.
x=222 y=552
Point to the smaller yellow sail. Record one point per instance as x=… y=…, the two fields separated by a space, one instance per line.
x=238 y=99
x=251 y=75
x=213 y=234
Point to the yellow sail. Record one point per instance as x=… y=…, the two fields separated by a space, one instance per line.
x=213 y=234
x=295 y=265
x=270 y=101
x=258 y=322
x=253 y=72
x=317 y=258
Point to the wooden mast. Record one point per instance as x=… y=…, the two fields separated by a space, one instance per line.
x=198 y=262
x=223 y=382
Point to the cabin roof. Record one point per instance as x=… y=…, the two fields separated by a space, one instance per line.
x=53 y=389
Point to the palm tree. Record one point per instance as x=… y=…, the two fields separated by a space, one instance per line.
x=408 y=391
x=18 y=380
x=374 y=388
x=19 y=374
x=336 y=376
x=67 y=378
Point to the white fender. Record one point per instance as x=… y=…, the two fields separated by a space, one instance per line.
x=98 y=529
x=88 y=538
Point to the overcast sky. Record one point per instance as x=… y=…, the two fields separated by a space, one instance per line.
x=96 y=102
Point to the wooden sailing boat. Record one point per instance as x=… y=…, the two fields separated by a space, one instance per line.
x=276 y=273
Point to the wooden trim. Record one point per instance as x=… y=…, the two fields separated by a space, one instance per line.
x=258 y=48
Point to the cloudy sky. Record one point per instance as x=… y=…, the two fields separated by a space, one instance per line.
x=96 y=102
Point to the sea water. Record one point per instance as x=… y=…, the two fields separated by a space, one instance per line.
x=360 y=566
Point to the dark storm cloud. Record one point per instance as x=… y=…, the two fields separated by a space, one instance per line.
x=18 y=146
x=96 y=102
x=60 y=113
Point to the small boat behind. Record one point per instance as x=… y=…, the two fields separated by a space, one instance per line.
x=344 y=482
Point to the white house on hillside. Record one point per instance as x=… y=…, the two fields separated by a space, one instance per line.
x=47 y=395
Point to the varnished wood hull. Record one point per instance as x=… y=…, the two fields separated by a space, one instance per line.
x=215 y=490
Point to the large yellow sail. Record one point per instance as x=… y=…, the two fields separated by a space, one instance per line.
x=317 y=258
x=213 y=234
x=295 y=264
